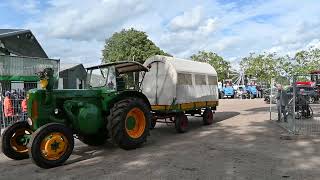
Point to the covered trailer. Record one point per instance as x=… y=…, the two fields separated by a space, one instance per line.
x=176 y=87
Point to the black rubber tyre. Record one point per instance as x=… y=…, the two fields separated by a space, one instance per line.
x=9 y=135
x=117 y=120
x=41 y=134
x=207 y=116
x=93 y=140
x=181 y=123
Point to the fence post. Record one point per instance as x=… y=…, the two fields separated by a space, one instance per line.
x=270 y=96
x=294 y=105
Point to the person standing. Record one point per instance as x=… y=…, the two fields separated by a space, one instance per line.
x=8 y=107
x=282 y=102
x=24 y=109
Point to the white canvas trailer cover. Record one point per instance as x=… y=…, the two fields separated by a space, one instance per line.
x=172 y=81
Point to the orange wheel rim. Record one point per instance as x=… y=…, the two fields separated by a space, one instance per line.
x=15 y=140
x=54 y=145
x=135 y=123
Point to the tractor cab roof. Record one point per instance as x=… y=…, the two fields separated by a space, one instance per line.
x=123 y=66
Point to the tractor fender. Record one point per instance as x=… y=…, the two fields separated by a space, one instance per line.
x=132 y=94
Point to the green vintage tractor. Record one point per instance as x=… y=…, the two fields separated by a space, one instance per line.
x=111 y=107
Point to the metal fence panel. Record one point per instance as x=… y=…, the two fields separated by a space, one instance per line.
x=301 y=114
x=13 y=101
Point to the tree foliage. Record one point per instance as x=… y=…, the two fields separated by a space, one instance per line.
x=267 y=66
x=129 y=44
x=306 y=61
x=222 y=66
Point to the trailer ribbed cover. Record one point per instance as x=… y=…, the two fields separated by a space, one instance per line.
x=174 y=81
x=188 y=66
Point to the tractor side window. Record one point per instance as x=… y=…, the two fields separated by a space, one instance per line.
x=111 y=79
x=97 y=79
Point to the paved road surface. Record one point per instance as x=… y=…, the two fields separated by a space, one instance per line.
x=244 y=144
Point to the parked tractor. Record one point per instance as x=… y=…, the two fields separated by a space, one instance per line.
x=112 y=107
x=228 y=91
x=252 y=91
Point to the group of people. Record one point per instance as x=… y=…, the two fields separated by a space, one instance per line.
x=13 y=106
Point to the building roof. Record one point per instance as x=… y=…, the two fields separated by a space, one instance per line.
x=21 y=42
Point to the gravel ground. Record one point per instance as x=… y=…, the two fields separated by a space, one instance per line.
x=244 y=144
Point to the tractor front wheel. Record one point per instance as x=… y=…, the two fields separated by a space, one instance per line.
x=129 y=123
x=181 y=123
x=51 y=145
x=14 y=140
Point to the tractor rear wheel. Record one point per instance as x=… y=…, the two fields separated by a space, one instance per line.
x=14 y=143
x=93 y=140
x=51 y=145
x=129 y=123
x=181 y=123
x=207 y=116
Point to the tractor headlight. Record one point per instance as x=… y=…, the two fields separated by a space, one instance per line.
x=56 y=111
x=29 y=120
x=43 y=83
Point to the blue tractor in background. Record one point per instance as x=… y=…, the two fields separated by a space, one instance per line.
x=252 y=91
x=228 y=91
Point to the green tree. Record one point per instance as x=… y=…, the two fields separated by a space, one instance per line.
x=222 y=66
x=267 y=66
x=306 y=61
x=129 y=44
x=264 y=66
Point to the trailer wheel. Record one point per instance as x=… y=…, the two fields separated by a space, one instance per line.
x=129 y=123
x=93 y=140
x=14 y=144
x=181 y=123
x=51 y=145
x=207 y=116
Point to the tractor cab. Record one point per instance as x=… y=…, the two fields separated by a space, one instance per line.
x=118 y=76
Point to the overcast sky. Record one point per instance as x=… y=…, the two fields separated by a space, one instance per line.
x=74 y=31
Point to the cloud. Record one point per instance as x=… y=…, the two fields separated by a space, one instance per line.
x=188 y=20
x=75 y=31
x=28 y=6
x=209 y=26
x=87 y=20
x=315 y=43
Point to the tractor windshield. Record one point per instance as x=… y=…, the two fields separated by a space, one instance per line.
x=102 y=77
x=118 y=76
